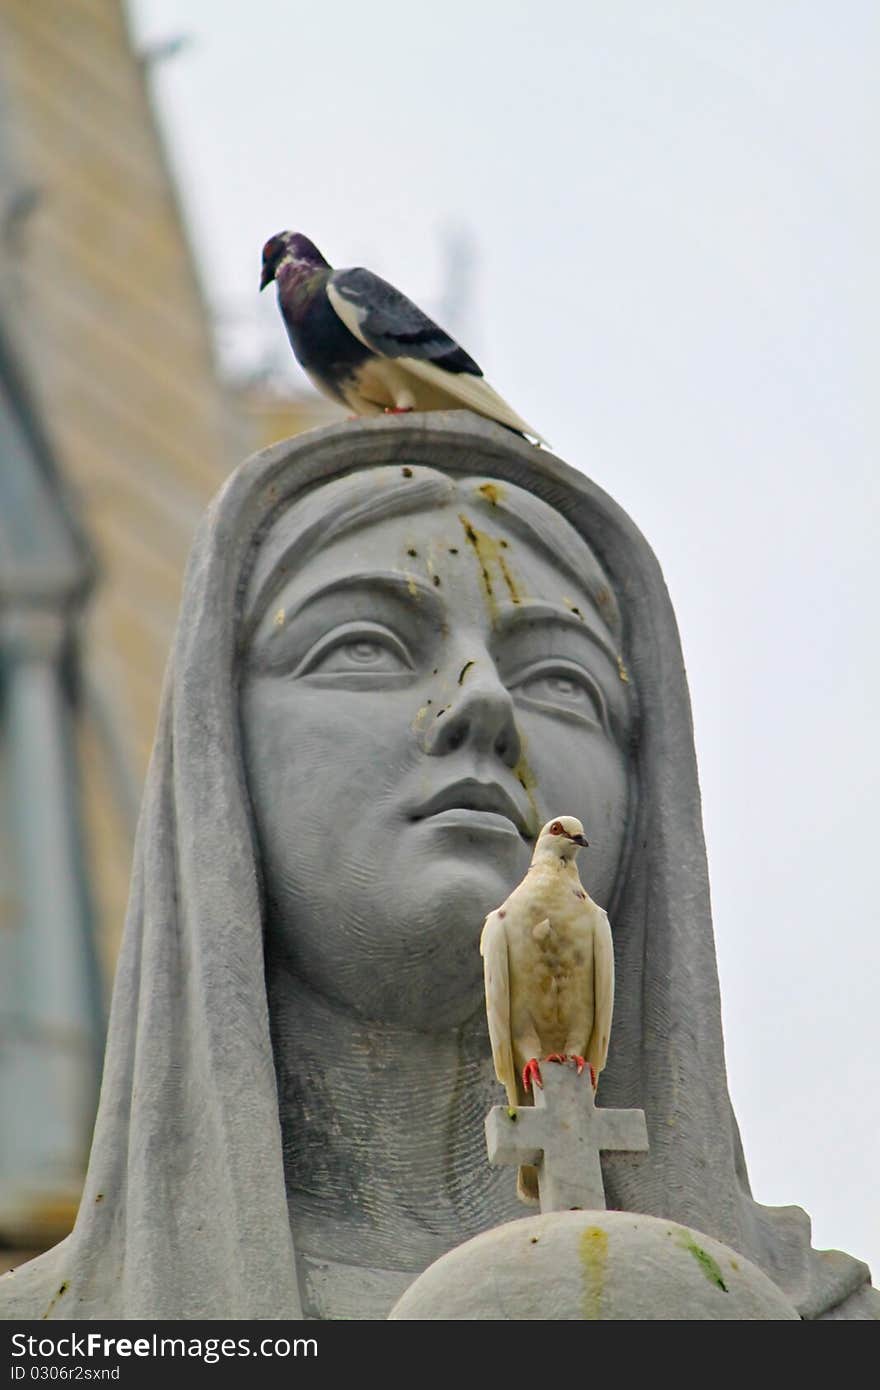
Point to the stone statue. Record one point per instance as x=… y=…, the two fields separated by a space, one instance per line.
x=577 y=1261
x=401 y=641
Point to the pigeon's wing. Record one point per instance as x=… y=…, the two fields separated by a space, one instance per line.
x=603 y=990
x=496 y=974
x=389 y=324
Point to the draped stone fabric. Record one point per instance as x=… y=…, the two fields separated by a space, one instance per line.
x=184 y=1213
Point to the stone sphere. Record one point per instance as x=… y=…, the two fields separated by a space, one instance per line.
x=601 y=1265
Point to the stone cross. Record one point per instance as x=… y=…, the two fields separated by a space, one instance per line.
x=562 y=1134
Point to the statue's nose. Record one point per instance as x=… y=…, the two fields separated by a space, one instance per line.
x=481 y=716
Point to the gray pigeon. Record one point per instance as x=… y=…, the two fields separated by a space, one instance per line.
x=363 y=343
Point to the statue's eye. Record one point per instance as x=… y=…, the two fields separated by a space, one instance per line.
x=362 y=653
x=357 y=649
x=565 y=688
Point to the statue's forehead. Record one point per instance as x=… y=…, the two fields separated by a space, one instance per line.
x=449 y=547
x=359 y=502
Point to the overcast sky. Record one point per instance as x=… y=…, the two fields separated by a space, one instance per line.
x=669 y=215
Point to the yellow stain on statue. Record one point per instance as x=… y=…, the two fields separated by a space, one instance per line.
x=488 y=554
x=526 y=778
x=493 y=492
x=593 y=1245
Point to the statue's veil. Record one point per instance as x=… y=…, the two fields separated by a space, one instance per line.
x=184 y=1213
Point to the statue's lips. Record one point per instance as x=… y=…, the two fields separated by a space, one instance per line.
x=477 y=806
x=461 y=818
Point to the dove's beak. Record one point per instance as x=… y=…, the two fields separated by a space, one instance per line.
x=267 y=276
x=579 y=840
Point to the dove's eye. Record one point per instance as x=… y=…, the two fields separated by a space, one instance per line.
x=562 y=688
x=356 y=650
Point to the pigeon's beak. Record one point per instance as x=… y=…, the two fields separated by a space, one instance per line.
x=267 y=276
x=579 y=840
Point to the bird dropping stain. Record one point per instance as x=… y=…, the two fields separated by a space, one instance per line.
x=572 y=607
x=593 y=1251
x=481 y=545
x=488 y=553
x=708 y=1266
x=492 y=492
x=527 y=780
x=508 y=579
x=60 y=1294
x=418 y=723
x=280 y=617
x=622 y=671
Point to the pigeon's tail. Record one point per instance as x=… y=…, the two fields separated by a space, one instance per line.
x=472 y=392
x=527 y=1185
x=519 y=434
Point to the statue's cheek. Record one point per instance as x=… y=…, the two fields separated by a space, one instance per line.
x=583 y=773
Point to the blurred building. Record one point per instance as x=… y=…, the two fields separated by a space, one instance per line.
x=115 y=431
x=266 y=414
x=50 y=990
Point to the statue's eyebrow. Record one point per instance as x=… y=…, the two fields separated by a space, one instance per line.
x=527 y=611
x=401 y=585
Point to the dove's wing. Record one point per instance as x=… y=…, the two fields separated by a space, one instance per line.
x=496 y=974
x=603 y=990
x=389 y=324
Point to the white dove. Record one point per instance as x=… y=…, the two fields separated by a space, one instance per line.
x=548 y=962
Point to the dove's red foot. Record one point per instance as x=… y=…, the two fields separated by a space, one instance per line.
x=556 y=1057
x=580 y=1063
x=398 y=409
x=531 y=1072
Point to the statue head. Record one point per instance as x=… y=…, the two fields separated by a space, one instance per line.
x=355 y=747
x=432 y=665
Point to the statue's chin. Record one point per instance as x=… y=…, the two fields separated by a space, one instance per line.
x=411 y=959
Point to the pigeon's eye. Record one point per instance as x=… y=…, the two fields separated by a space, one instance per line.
x=563 y=688
x=556 y=828
x=357 y=651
